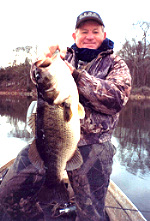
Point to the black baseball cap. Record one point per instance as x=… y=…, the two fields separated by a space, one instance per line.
x=88 y=15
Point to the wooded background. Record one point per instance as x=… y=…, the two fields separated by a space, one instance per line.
x=136 y=54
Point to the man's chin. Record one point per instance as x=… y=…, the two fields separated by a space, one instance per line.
x=90 y=46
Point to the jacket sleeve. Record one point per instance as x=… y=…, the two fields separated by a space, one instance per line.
x=107 y=95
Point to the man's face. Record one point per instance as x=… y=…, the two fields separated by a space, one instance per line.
x=89 y=35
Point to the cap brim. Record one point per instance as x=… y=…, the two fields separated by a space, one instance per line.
x=87 y=19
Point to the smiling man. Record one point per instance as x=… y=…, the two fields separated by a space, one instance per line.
x=104 y=84
x=89 y=35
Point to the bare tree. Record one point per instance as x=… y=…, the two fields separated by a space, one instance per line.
x=137 y=56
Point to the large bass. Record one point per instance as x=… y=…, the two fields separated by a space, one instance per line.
x=57 y=125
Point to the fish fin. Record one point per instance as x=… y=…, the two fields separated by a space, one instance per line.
x=67 y=111
x=75 y=162
x=32 y=121
x=34 y=156
x=81 y=111
x=57 y=193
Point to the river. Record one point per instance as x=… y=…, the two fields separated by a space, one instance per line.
x=131 y=168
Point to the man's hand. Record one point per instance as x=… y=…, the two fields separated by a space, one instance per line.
x=48 y=52
x=52 y=49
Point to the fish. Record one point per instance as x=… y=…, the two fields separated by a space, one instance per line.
x=56 y=126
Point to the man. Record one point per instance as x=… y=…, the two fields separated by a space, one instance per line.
x=104 y=84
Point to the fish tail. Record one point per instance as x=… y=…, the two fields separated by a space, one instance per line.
x=61 y=194
x=57 y=193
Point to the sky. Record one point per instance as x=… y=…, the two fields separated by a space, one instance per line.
x=46 y=22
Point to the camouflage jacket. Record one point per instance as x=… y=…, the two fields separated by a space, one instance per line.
x=104 y=86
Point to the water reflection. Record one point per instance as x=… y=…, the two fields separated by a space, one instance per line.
x=131 y=168
x=15 y=110
x=133 y=132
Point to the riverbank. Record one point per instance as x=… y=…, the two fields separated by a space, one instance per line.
x=139 y=97
x=140 y=94
x=18 y=93
x=136 y=97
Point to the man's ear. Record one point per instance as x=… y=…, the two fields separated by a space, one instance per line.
x=74 y=36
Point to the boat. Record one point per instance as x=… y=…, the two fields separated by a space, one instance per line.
x=118 y=206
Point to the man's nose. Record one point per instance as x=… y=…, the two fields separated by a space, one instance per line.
x=90 y=36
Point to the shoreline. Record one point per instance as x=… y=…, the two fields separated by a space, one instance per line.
x=33 y=94
x=18 y=93
x=139 y=97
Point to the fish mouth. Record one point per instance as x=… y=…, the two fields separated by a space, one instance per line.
x=43 y=63
x=36 y=73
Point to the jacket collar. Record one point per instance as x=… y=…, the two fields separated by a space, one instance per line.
x=85 y=54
